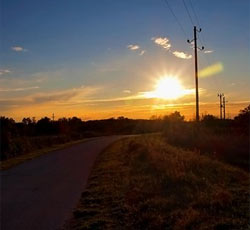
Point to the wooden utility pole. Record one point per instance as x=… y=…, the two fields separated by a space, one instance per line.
x=221 y=106
x=196 y=70
x=196 y=76
x=224 y=108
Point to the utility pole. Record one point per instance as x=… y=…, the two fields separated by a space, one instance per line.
x=221 y=106
x=53 y=116
x=224 y=107
x=196 y=70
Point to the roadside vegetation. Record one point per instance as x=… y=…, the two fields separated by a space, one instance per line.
x=145 y=183
x=226 y=140
x=20 y=138
x=13 y=161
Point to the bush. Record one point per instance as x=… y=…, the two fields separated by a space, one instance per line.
x=220 y=142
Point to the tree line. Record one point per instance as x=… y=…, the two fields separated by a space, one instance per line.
x=21 y=137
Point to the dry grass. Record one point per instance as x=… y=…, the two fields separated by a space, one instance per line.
x=144 y=183
x=228 y=145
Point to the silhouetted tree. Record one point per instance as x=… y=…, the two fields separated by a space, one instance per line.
x=243 y=120
x=174 y=117
x=244 y=116
x=27 y=121
x=7 y=131
x=44 y=126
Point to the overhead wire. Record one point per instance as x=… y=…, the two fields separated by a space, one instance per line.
x=176 y=18
x=189 y=15
x=195 y=15
x=200 y=37
x=190 y=18
x=198 y=23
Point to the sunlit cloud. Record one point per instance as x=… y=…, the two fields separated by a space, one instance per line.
x=126 y=91
x=162 y=41
x=182 y=55
x=208 y=51
x=18 y=49
x=61 y=97
x=211 y=70
x=4 y=71
x=142 y=52
x=18 y=89
x=133 y=47
x=155 y=94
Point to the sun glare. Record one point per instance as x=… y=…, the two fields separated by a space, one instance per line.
x=167 y=88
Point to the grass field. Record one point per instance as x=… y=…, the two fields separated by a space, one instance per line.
x=144 y=183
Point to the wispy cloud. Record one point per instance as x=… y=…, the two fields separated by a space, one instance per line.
x=182 y=55
x=18 y=49
x=133 y=47
x=4 y=71
x=65 y=96
x=126 y=91
x=162 y=41
x=208 y=51
x=18 y=89
x=142 y=52
x=62 y=97
x=136 y=48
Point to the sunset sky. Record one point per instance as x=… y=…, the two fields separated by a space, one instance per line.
x=107 y=58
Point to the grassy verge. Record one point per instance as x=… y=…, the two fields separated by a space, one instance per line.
x=144 y=183
x=29 y=156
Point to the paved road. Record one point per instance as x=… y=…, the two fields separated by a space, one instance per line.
x=41 y=194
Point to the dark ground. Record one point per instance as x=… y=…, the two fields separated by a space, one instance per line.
x=41 y=194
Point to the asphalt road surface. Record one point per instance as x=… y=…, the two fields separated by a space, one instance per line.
x=41 y=194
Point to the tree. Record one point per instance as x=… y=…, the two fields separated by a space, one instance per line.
x=44 y=126
x=174 y=117
x=7 y=131
x=243 y=119
x=27 y=121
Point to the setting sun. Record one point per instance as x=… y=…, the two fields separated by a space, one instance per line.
x=168 y=88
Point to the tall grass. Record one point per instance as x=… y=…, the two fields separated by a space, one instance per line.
x=221 y=143
x=144 y=183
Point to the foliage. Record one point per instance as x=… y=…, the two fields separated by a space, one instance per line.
x=215 y=136
x=243 y=119
x=29 y=135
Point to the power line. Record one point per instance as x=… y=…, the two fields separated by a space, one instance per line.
x=195 y=15
x=189 y=15
x=177 y=20
x=200 y=38
x=198 y=22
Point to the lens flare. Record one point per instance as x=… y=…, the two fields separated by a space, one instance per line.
x=211 y=70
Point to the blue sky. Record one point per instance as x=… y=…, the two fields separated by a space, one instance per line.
x=52 y=48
